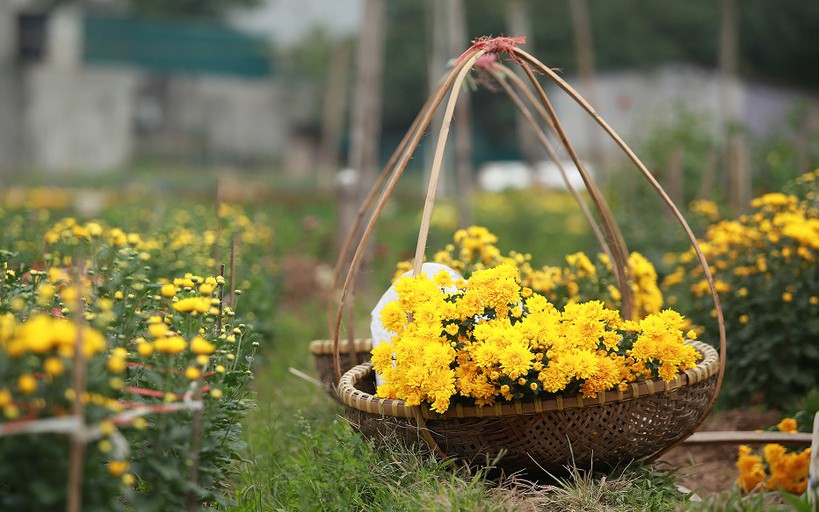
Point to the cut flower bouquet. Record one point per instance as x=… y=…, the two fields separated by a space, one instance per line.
x=487 y=338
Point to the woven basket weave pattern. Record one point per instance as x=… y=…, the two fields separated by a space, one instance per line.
x=322 y=352
x=601 y=435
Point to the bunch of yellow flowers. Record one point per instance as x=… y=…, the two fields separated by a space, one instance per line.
x=777 y=468
x=765 y=270
x=475 y=248
x=489 y=337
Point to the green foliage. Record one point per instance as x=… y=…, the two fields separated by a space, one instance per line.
x=765 y=271
x=793 y=146
x=806 y=411
x=734 y=501
x=131 y=294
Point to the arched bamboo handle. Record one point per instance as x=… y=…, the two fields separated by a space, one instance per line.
x=658 y=188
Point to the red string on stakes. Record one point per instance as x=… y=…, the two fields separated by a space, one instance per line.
x=495 y=45
x=175 y=372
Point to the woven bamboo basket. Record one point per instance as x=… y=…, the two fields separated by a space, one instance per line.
x=539 y=436
x=351 y=354
x=614 y=428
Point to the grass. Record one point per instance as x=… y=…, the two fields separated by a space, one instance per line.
x=303 y=456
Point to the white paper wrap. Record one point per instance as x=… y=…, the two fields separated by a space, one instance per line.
x=379 y=333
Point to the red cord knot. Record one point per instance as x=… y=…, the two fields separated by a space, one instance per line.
x=486 y=61
x=495 y=45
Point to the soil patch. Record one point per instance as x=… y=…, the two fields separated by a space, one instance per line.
x=712 y=469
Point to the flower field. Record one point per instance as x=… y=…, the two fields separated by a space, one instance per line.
x=146 y=348
x=134 y=345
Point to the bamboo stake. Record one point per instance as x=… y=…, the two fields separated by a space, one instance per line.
x=76 y=456
x=196 y=421
x=217 y=200
x=437 y=159
x=232 y=287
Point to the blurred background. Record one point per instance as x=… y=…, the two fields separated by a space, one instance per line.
x=718 y=96
x=240 y=136
x=291 y=104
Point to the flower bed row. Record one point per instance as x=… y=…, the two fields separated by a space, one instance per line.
x=161 y=386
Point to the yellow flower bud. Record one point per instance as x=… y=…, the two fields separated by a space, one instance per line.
x=27 y=383
x=168 y=290
x=117 y=467
x=200 y=345
x=53 y=366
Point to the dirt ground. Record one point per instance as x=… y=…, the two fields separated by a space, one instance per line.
x=711 y=469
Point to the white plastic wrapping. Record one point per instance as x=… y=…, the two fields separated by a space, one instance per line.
x=379 y=333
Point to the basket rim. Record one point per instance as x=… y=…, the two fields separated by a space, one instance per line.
x=325 y=347
x=707 y=368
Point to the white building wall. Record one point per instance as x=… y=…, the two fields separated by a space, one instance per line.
x=79 y=120
x=234 y=116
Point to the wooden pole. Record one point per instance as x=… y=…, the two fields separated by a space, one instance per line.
x=437 y=13
x=332 y=118
x=366 y=114
x=456 y=15
x=736 y=165
x=518 y=23
x=584 y=48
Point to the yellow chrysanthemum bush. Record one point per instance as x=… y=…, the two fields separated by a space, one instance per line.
x=774 y=466
x=163 y=382
x=582 y=279
x=767 y=277
x=488 y=338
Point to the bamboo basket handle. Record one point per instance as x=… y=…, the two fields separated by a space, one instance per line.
x=455 y=79
x=657 y=187
x=437 y=160
x=424 y=118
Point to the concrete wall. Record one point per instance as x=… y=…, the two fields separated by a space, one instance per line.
x=78 y=119
x=636 y=103
x=61 y=114
x=229 y=118
x=9 y=91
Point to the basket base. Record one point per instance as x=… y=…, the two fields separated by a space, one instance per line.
x=601 y=438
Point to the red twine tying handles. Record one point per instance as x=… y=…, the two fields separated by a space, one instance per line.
x=495 y=45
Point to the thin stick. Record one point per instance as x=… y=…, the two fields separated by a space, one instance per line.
x=221 y=300
x=217 y=199
x=721 y=437
x=232 y=289
x=196 y=448
x=351 y=327
x=813 y=468
x=76 y=461
x=437 y=159
x=300 y=374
